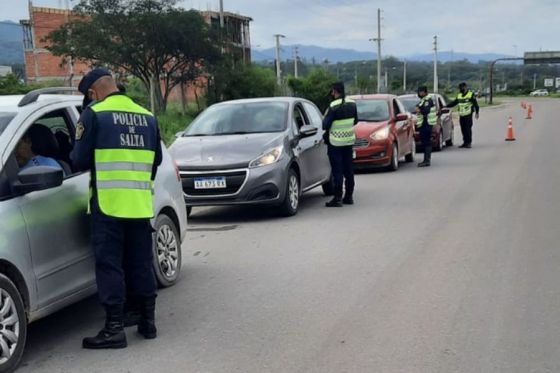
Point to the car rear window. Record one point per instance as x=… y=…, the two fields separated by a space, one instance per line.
x=240 y=118
x=410 y=104
x=372 y=110
x=5 y=119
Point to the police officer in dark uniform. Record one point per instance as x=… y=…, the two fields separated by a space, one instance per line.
x=426 y=120
x=467 y=106
x=119 y=142
x=339 y=123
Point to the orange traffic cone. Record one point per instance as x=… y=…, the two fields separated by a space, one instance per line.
x=509 y=135
x=530 y=112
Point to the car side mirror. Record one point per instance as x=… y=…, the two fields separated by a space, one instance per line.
x=308 y=131
x=37 y=178
x=445 y=110
x=402 y=116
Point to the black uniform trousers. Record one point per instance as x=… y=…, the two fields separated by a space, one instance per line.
x=123 y=250
x=426 y=140
x=342 y=169
x=466 y=128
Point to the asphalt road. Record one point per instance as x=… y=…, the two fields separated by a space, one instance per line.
x=454 y=268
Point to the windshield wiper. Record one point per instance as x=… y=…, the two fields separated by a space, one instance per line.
x=234 y=133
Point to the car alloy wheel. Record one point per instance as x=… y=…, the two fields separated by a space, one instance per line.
x=293 y=191
x=167 y=251
x=9 y=327
x=290 y=203
x=13 y=325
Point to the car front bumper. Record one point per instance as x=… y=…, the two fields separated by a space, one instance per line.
x=375 y=154
x=247 y=186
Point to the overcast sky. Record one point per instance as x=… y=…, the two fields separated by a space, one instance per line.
x=408 y=26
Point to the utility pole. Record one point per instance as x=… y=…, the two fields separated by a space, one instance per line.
x=222 y=14
x=404 y=77
x=378 y=40
x=278 y=71
x=534 y=81
x=436 y=83
x=296 y=57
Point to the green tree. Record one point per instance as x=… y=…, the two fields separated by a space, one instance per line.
x=232 y=81
x=150 y=39
x=315 y=87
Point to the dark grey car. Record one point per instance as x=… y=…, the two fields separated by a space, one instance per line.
x=257 y=151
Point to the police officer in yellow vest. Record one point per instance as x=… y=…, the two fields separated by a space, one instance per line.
x=426 y=120
x=119 y=142
x=339 y=124
x=467 y=106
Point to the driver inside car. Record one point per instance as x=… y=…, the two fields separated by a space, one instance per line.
x=28 y=150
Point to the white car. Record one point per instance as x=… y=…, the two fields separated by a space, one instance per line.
x=539 y=92
x=46 y=261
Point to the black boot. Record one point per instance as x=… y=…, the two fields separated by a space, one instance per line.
x=131 y=311
x=335 y=202
x=348 y=200
x=147 y=324
x=427 y=157
x=112 y=335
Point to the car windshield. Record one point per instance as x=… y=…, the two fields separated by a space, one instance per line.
x=410 y=104
x=5 y=119
x=372 y=110
x=240 y=118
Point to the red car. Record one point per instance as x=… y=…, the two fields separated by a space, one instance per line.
x=384 y=133
x=442 y=132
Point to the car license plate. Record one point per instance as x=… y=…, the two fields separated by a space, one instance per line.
x=210 y=183
x=353 y=154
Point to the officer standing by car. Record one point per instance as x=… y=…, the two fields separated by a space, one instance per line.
x=338 y=123
x=427 y=119
x=467 y=106
x=119 y=142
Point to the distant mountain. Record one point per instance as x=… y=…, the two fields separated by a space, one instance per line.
x=446 y=56
x=334 y=55
x=11 y=43
x=309 y=52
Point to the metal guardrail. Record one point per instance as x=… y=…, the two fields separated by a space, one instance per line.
x=33 y=96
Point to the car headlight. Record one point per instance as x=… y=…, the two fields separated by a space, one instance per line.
x=381 y=134
x=269 y=157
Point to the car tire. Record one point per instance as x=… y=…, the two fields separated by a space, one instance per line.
x=328 y=187
x=290 y=205
x=394 y=165
x=439 y=145
x=410 y=157
x=167 y=251
x=450 y=141
x=14 y=325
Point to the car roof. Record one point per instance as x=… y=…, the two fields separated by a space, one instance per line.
x=10 y=102
x=263 y=99
x=377 y=96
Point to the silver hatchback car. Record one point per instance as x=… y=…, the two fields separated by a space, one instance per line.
x=46 y=261
x=263 y=151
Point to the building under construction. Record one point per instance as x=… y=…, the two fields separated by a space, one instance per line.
x=41 y=65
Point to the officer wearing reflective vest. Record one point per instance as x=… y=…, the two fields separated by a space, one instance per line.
x=467 y=106
x=338 y=123
x=119 y=142
x=426 y=120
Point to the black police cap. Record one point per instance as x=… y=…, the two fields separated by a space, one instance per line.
x=90 y=78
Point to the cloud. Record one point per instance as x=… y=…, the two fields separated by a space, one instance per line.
x=408 y=25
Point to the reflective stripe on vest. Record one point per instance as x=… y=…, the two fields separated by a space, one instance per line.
x=465 y=104
x=123 y=175
x=342 y=130
x=432 y=115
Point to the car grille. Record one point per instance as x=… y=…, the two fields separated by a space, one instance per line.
x=234 y=181
x=361 y=143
